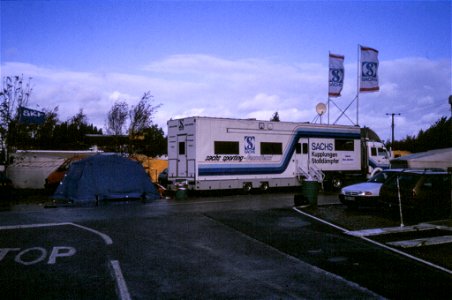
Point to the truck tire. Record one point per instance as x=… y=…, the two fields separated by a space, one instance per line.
x=247 y=187
x=264 y=186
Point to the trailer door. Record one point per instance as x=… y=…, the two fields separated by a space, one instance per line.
x=182 y=155
x=302 y=156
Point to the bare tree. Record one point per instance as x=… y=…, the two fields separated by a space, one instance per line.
x=141 y=115
x=14 y=94
x=138 y=118
x=117 y=118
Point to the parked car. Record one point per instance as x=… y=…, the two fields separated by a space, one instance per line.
x=423 y=192
x=366 y=193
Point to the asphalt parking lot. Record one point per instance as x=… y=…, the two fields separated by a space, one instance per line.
x=411 y=235
x=53 y=261
x=237 y=246
x=412 y=238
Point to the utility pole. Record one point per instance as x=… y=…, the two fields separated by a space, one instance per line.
x=392 y=126
x=450 y=102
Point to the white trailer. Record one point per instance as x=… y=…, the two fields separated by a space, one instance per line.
x=217 y=153
x=30 y=168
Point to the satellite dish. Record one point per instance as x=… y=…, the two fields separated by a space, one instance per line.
x=320 y=108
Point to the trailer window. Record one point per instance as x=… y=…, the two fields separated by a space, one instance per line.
x=221 y=147
x=298 y=148
x=344 y=145
x=305 y=148
x=181 y=148
x=271 y=148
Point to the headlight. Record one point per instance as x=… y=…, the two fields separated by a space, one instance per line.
x=365 y=193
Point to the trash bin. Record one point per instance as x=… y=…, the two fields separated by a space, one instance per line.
x=181 y=194
x=181 y=191
x=310 y=191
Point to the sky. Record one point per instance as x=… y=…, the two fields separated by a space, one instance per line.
x=233 y=59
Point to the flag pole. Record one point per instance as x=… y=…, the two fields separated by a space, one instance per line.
x=357 y=87
x=328 y=109
x=328 y=89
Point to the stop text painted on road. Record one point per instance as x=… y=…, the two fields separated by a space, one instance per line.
x=46 y=257
x=34 y=255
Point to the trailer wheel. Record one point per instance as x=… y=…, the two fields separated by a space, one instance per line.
x=264 y=186
x=247 y=186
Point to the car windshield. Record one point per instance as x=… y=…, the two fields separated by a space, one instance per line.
x=406 y=181
x=381 y=177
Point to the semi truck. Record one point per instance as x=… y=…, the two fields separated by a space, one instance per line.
x=208 y=153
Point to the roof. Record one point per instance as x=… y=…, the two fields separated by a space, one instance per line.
x=439 y=158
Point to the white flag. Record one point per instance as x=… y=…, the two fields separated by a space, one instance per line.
x=336 y=75
x=369 y=70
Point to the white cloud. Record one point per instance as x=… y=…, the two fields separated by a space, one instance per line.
x=261 y=101
x=188 y=85
x=117 y=96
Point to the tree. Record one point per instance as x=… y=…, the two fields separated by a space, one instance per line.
x=141 y=115
x=51 y=134
x=141 y=119
x=275 y=117
x=45 y=134
x=76 y=130
x=438 y=136
x=153 y=144
x=117 y=118
x=56 y=135
x=14 y=94
x=140 y=126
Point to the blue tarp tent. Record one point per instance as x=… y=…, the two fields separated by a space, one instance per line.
x=105 y=176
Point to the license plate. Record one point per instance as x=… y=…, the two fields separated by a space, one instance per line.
x=349 y=198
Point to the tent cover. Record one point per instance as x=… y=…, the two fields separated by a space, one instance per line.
x=439 y=158
x=105 y=176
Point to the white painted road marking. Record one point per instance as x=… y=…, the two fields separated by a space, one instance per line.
x=60 y=252
x=391 y=230
x=41 y=256
x=435 y=240
x=376 y=243
x=120 y=282
x=34 y=255
x=63 y=251
x=105 y=237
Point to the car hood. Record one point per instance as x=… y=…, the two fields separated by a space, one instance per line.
x=373 y=187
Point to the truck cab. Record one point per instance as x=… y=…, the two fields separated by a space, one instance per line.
x=378 y=157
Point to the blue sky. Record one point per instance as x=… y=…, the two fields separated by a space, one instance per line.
x=231 y=58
